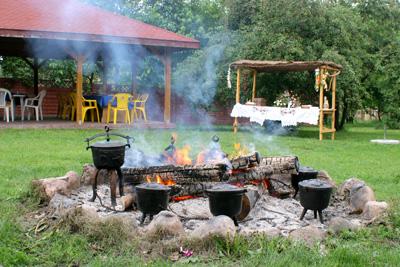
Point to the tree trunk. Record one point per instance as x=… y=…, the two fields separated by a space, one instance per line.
x=343 y=118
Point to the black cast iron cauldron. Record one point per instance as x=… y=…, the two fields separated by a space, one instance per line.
x=304 y=173
x=108 y=154
x=314 y=195
x=226 y=199
x=151 y=199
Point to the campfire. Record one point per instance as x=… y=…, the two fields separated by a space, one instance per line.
x=189 y=179
x=239 y=193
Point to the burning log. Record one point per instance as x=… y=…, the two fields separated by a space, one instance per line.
x=254 y=174
x=192 y=189
x=282 y=165
x=175 y=174
x=248 y=202
x=278 y=187
x=247 y=161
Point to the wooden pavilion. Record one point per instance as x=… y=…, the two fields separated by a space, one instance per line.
x=69 y=29
x=325 y=81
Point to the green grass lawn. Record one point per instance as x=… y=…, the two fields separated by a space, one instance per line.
x=31 y=154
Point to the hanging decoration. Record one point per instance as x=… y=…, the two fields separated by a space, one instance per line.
x=317 y=80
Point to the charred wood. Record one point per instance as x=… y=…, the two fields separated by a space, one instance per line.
x=248 y=202
x=247 y=161
x=282 y=165
x=177 y=174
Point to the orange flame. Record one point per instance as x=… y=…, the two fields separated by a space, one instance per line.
x=201 y=158
x=239 y=150
x=158 y=179
x=182 y=156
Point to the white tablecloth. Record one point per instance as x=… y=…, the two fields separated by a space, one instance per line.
x=288 y=116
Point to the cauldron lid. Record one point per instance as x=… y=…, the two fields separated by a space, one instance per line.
x=154 y=186
x=315 y=183
x=226 y=188
x=103 y=144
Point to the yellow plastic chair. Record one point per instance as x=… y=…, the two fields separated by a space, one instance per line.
x=139 y=106
x=89 y=104
x=122 y=105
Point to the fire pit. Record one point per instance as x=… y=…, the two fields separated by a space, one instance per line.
x=226 y=199
x=151 y=199
x=314 y=195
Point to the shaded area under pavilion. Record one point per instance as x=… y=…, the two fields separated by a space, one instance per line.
x=52 y=29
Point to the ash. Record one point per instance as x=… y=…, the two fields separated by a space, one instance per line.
x=269 y=215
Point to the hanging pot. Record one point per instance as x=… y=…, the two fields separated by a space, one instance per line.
x=108 y=154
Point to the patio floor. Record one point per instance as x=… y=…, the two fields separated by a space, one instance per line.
x=65 y=124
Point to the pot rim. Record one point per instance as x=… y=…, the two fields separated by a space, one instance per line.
x=108 y=144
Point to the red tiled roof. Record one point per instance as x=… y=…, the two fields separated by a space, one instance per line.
x=70 y=19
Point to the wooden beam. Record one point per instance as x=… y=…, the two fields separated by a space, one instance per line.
x=254 y=85
x=167 y=94
x=321 y=105
x=79 y=86
x=235 y=123
x=333 y=106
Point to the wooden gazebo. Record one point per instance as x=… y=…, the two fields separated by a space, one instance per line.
x=325 y=80
x=69 y=29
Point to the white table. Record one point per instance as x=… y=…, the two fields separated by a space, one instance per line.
x=288 y=116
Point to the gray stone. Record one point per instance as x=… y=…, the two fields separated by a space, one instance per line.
x=374 y=210
x=309 y=234
x=338 y=224
x=60 y=204
x=356 y=193
x=165 y=223
x=217 y=226
x=323 y=175
x=345 y=188
x=74 y=181
x=48 y=187
x=88 y=172
x=359 y=196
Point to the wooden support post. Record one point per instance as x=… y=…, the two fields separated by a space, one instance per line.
x=235 y=124
x=321 y=107
x=79 y=87
x=35 y=66
x=333 y=104
x=167 y=93
x=254 y=85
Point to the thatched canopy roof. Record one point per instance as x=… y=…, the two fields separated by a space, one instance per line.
x=270 y=66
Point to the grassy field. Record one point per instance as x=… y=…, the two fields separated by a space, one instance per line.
x=31 y=154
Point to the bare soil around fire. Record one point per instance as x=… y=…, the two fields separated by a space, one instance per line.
x=31 y=154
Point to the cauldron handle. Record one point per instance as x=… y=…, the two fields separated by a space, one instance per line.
x=128 y=138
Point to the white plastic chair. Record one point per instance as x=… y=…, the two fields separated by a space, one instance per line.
x=7 y=106
x=36 y=104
